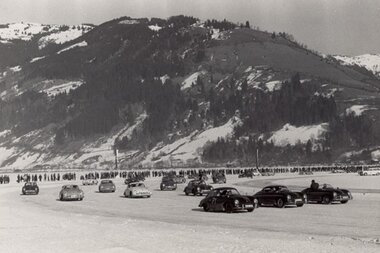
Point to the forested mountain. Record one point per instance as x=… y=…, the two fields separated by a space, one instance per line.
x=181 y=92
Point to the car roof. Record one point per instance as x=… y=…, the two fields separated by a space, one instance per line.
x=275 y=185
x=224 y=188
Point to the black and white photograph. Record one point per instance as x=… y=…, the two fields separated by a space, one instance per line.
x=215 y=126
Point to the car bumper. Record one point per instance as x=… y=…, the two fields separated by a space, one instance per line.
x=294 y=202
x=72 y=197
x=30 y=192
x=341 y=198
x=107 y=190
x=243 y=207
x=167 y=187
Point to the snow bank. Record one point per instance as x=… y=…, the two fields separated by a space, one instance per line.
x=62 y=88
x=358 y=110
x=192 y=79
x=292 y=135
x=79 y=44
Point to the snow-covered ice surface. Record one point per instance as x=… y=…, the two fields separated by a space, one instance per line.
x=292 y=135
x=172 y=222
x=79 y=44
x=369 y=61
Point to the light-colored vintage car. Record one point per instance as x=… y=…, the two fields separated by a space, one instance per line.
x=137 y=190
x=71 y=192
x=89 y=182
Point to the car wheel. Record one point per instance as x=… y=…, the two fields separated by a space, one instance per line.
x=228 y=208
x=130 y=195
x=187 y=194
x=250 y=210
x=280 y=203
x=206 y=207
x=300 y=205
x=326 y=200
x=61 y=197
x=344 y=201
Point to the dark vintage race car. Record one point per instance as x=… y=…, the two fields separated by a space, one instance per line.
x=71 y=192
x=326 y=195
x=197 y=187
x=226 y=199
x=107 y=186
x=278 y=195
x=30 y=188
x=168 y=183
x=219 y=178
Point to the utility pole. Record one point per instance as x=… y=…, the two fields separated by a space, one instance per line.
x=116 y=152
x=257 y=159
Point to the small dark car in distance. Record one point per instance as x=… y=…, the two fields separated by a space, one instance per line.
x=197 y=187
x=304 y=172
x=219 y=178
x=326 y=195
x=226 y=199
x=278 y=195
x=168 y=183
x=30 y=188
x=107 y=186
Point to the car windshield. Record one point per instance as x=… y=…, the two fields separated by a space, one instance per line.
x=30 y=184
x=70 y=187
x=327 y=186
x=228 y=192
x=282 y=188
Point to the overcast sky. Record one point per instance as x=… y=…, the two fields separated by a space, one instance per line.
x=350 y=27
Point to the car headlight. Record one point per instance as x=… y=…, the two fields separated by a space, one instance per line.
x=335 y=194
x=305 y=196
x=198 y=189
x=236 y=202
x=255 y=201
x=163 y=184
x=288 y=197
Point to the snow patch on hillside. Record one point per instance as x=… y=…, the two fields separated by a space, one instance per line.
x=129 y=22
x=219 y=35
x=358 y=110
x=273 y=85
x=291 y=135
x=155 y=28
x=164 y=78
x=62 y=88
x=21 y=31
x=190 y=148
x=369 y=61
x=15 y=69
x=79 y=44
x=37 y=59
x=192 y=79
x=63 y=36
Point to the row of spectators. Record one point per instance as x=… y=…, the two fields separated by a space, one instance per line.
x=45 y=177
x=4 y=179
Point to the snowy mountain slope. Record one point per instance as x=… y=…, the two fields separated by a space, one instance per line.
x=368 y=61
